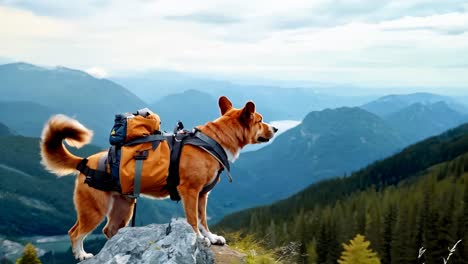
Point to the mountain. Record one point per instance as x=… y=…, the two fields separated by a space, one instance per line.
x=28 y=191
x=274 y=102
x=192 y=107
x=26 y=118
x=418 y=121
x=5 y=131
x=412 y=200
x=390 y=104
x=92 y=101
x=154 y=85
x=327 y=143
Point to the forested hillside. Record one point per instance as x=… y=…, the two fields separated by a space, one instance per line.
x=417 y=198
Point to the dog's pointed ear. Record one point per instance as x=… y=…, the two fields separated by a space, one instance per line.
x=248 y=111
x=224 y=104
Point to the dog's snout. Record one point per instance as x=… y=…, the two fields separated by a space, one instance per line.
x=275 y=129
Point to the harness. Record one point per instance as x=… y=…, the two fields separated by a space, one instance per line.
x=103 y=180
x=199 y=139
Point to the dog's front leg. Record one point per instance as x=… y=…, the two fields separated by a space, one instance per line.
x=214 y=239
x=190 y=202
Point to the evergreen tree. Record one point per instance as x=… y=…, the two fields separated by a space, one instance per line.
x=464 y=224
x=322 y=243
x=271 y=232
x=358 y=252
x=400 y=238
x=388 y=232
x=374 y=227
x=29 y=255
x=312 y=253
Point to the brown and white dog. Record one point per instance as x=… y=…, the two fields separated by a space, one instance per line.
x=233 y=130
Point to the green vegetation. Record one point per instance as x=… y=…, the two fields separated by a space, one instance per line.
x=417 y=198
x=33 y=201
x=358 y=252
x=29 y=255
x=258 y=251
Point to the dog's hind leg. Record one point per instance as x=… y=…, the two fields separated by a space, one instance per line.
x=214 y=239
x=120 y=212
x=91 y=206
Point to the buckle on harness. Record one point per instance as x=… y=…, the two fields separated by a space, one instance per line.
x=141 y=155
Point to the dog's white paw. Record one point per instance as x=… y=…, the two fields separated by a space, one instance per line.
x=216 y=240
x=83 y=256
x=206 y=241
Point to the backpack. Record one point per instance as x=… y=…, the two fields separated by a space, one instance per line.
x=138 y=147
x=143 y=159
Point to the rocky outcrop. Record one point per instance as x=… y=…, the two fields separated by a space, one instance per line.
x=157 y=243
x=11 y=250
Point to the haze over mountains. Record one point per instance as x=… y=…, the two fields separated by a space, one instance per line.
x=329 y=142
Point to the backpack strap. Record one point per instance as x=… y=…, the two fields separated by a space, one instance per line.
x=139 y=158
x=102 y=162
x=98 y=179
x=150 y=138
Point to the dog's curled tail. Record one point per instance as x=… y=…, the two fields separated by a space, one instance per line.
x=55 y=157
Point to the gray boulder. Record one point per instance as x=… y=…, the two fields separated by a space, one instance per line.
x=11 y=250
x=157 y=243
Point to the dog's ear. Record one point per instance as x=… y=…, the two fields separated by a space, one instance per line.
x=224 y=104
x=248 y=111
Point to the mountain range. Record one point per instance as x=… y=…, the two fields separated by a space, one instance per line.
x=418 y=121
x=390 y=104
x=327 y=143
x=62 y=90
x=274 y=102
x=412 y=200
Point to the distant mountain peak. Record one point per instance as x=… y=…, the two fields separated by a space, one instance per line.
x=390 y=104
x=23 y=66
x=5 y=131
x=62 y=69
x=345 y=114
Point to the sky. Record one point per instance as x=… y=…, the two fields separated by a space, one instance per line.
x=370 y=43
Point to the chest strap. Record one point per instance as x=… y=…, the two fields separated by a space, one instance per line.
x=198 y=139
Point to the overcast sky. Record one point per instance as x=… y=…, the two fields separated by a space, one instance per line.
x=361 y=42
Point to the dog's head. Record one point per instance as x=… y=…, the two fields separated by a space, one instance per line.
x=250 y=123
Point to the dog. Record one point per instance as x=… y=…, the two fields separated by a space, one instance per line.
x=233 y=130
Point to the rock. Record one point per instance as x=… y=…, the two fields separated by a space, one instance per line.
x=226 y=255
x=157 y=243
x=12 y=250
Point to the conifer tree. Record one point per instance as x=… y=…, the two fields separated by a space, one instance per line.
x=358 y=252
x=388 y=233
x=29 y=255
x=312 y=253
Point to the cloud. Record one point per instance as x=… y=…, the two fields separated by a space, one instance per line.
x=449 y=23
x=367 y=42
x=204 y=17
